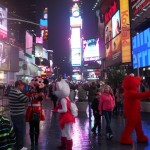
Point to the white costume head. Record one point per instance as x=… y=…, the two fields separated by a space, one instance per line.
x=62 y=89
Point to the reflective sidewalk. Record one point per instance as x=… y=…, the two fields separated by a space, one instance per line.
x=83 y=139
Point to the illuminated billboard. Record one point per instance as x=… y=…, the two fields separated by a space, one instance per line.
x=108 y=32
x=75 y=38
x=43 y=24
x=111 y=10
x=4 y=57
x=3 y=22
x=91 y=49
x=113 y=51
x=117 y=34
x=141 y=49
x=29 y=43
x=39 y=50
x=76 y=57
x=136 y=6
x=76 y=77
x=76 y=21
x=125 y=31
x=113 y=27
x=116 y=26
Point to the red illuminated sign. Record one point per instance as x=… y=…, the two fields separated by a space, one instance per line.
x=108 y=15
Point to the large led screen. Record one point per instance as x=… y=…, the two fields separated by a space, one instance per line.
x=76 y=21
x=29 y=43
x=76 y=57
x=91 y=49
x=141 y=49
x=75 y=38
x=116 y=28
x=3 y=22
x=113 y=27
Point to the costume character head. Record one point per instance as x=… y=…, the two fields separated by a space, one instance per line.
x=62 y=89
x=38 y=84
x=131 y=82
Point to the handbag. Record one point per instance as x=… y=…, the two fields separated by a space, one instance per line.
x=35 y=116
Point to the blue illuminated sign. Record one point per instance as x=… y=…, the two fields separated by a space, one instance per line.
x=141 y=49
x=44 y=22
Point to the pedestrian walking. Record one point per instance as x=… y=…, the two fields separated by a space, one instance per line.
x=96 y=114
x=17 y=103
x=106 y=106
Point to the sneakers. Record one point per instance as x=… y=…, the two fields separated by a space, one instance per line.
x=24 y=148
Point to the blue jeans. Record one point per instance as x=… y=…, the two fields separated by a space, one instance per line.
x=19 y=125
x=108 y=115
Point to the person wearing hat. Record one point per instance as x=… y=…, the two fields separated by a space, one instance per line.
x=97 y=116
x=17 y=103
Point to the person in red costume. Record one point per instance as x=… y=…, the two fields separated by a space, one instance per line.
x=132 y=98
x=37 y=85
x=66 y=119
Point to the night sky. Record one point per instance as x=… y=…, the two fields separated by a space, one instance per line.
x=59 y=30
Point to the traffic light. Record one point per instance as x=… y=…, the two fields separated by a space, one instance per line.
x=45 y=35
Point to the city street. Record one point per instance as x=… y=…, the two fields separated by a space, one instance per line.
x=83 y=139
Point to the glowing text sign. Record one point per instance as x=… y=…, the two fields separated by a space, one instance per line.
x=141 y=49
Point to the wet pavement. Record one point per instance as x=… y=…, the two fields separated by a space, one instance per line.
x=83 y=139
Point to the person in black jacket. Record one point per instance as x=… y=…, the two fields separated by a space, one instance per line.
x=97 y=117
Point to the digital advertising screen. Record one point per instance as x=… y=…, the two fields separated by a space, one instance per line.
x=93 y=74
x=76 y=77
x=39 y=50
x=76 y=21
x=29 y=43
x=116 y=26
x=91 y=49
x=3 y=22
x=76 y=57
x=4 y=57
x=136 y=6
x=108 y=31
x=75 y=38
x=141 y=49
x=113 y=52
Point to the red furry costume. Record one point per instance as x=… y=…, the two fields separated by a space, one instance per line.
x=132 y=99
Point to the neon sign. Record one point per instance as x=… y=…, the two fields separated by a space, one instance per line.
x=108 y=15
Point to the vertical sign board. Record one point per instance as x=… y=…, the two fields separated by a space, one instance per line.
x=125 y=27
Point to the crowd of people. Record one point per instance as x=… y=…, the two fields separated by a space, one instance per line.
x=103 y=99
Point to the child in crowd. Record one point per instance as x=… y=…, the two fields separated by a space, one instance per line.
x=106 y=106
x=97 y=116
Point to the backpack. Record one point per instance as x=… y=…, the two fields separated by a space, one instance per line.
x=74 y=109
